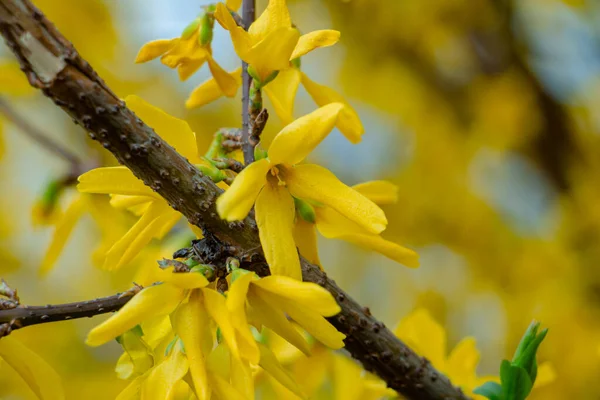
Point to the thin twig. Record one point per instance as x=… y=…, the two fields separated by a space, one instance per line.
x=36 y=134
x=52 y=64
x=248 y=16
x=22 y=316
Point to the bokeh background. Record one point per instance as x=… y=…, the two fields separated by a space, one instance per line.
x=483 y=112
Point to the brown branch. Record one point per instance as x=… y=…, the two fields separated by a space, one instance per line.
x=36 y=134
x=22 y=316
x=53 y=65
x=248 y=16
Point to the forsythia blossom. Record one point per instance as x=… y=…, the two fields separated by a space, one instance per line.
x=168 y=330
x=271 y=183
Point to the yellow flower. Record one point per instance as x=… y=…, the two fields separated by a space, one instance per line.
x=428 y=339
x=333 y=225
x=271 y=183
x=189 y=52
x=269 y=301
x=108 y=220
x=282 y=93
x=37 y=374
x=271 y=42
x=128 y=192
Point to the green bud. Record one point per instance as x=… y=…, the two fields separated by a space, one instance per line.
x=296 y=63
x=190 y=262
x=260 y=153
x=189 y=30
x=305 y=210
x=206 y=30
x=213 y=173
x=205 y=270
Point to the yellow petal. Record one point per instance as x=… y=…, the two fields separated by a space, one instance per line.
x=347 y=378
x=313 y=182
x=192 y=324
x=314 y=40
x=425 y=336
x=61 y=234
x=227 y=83
x=186 y=68
x=133 y=390
x=125 y=201
x=313 y=323
x=37 y=374
x=269 y=362
x=305 y=236
x=273 y=52
x=113 y=180
x=379 y=192
x=269 y=315
x=150 y=302
x=348 y=122
x=164 y=377
x=241 y=377
x=233 y=5
x=217 y=309
x=210 y=91
x=173 y=130
x=282 y=93
x=138 y=352
x=223 y=389
x=237 y=201
x=153 y=49
x=546 y=374
x=236 y=304
x=462 y=363
x=275 y=219
x=242 y=43
x=183 y=280
x=13 y=81
x=391 y=250
x=275 y=16
x=181 y=391
x=305 y=294
x=294 y=142
x=333 y=225
x=138 y=236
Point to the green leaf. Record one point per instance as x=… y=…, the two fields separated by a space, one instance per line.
x=491 y=390
x=527 y=357
x=516 y=383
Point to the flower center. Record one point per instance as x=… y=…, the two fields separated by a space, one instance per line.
x=277 y=172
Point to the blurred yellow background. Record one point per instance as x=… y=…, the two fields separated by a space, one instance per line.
x=481 y=111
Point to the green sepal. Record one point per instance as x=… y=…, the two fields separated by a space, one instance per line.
x=213 y=173
x=190 y=262
x=238 y=273
x=491 y=390
x=170 y=346
x=215 y=150
x=189 y=30
x=269 y=78
x=516 y=383
x=305 y=210
x=260 y=153
x=296 y=63
x=253 y=74
x=139 y=352
x=206 y=270
x=206 y=30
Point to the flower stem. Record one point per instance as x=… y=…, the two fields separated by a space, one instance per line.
x=248 y=16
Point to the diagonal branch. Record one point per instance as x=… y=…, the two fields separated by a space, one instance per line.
x=54 y=66
x=35 y=134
